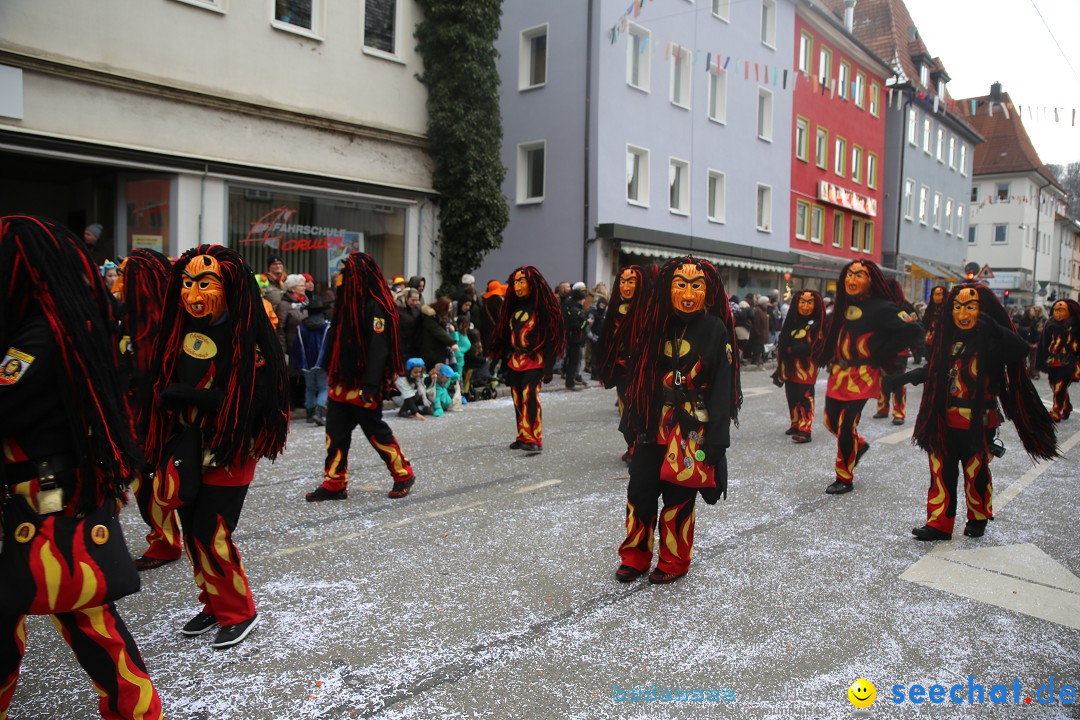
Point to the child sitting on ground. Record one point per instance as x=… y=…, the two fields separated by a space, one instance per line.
x=412 y=397
x=439 y=390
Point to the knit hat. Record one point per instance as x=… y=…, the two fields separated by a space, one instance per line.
x=577 y=294
x=96 y=229
x=468 y=279
x=579 y=286
x=307 y=277
x=413 y=363
x=273 y=259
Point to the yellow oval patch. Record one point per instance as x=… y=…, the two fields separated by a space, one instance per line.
x=25 y=532
x=799 y=334
x=199 y=346
x=99 y=534
x=854 y=312
x=125 y=345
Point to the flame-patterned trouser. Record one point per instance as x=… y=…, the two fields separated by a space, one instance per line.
x=899 y=403
x=525 y=388
x=341 y=419
x=842 y=420
x=105 y=649
x=156 y=510
x=676 y=520
x=800 y=402
x=962 y=452
x=621 y=386
x=209 y=520
x=1060 y=378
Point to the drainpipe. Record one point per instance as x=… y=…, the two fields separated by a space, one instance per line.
x=588 y=117
x=1035 y=264
x=900 y=184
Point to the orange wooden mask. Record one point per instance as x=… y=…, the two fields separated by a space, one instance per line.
x=203 y=292
x=1061 y=311
x=806 y=304
x=521 y=285
x=688 y=289
x=857 y=281
x=965 y=308
x=628 y=282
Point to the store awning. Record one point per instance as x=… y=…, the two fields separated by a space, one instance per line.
x=655 y=251
x=810 y=260
x=921 y=268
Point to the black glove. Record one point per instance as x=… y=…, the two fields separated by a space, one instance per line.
x=179 y=395
x=714 y=453
x=547 y=378
x=890 y=383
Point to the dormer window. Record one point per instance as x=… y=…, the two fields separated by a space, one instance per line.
x=924 y=75
x=941 y=88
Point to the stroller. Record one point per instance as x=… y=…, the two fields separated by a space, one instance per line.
x=478 y=383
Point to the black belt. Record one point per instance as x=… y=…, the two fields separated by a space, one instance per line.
x=57 y=468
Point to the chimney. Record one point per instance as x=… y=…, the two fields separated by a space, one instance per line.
x=849 y=14
x=995 y=92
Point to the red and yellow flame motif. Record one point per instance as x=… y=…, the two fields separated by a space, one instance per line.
x=162 y=499
x=530 y=426
x=683 y=454
x=219 y=573
x=637 y=549
x=941 y=498
x=802 y=410
x=849 y=381
x=523 y=339
x=898 y=400
x=676 y=538
x=63 y=568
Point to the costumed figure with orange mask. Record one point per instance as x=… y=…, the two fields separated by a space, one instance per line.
x=898 y=396
x=140 y=289
x=801 y=339
x=935 y=310
x=1059 y=354
x=68 y=454
x=364 y=360
x=867 y=329
x=527 y=339
x=612 y=363
x=682 y=398
x=219 y=404
x=977 y=359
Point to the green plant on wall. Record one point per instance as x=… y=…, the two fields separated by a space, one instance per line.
x=457 y=43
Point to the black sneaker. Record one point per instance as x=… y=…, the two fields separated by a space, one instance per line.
x=230 y=635
x=401 y=488
x=516 y=445
x=201 y=623
x=531 y=448
x=320 y=493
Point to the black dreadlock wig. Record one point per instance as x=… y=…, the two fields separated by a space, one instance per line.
x=146 y=279
x=361 y=283
x=1019 y=399
x=617 y=328
x=653 y=327
x=47 y=269
x=878 y=286
x=795 y=321
x=549 y=323
x=252 y=422
x=934 y=310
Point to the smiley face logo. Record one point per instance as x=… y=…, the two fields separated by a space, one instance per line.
x=862 y=693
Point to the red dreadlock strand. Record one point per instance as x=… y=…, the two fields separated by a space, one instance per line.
x=251 y=423
x=146 y=279
x=362 y=285
x=51 y=271
x=615 y=334
x=549 y=323
x=878 y=286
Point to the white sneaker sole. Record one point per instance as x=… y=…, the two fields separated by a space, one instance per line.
x=238 y=639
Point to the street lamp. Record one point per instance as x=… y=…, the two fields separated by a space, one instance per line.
x=1035 y=264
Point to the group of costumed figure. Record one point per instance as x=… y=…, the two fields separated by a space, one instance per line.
x=175 y=386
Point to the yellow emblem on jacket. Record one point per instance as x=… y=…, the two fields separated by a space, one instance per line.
x=379 y=325
x=199 y=346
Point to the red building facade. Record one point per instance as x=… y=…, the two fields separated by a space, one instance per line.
x=839 y=139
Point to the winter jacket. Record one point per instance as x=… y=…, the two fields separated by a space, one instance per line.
x=432 y=340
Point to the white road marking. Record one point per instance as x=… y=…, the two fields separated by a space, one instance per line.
x=1002 y=498
x=537 y=486
x=897 y=437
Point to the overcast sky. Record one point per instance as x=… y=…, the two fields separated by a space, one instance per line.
x=983 y=41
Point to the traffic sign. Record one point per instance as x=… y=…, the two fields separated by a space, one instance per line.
x=986 y=273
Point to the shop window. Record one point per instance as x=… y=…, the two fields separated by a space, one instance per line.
x=148 y=202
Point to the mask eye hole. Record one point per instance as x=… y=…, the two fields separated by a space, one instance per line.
x=204 y=284
x=187 y=283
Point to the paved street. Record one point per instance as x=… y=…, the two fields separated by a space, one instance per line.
x=489 y=592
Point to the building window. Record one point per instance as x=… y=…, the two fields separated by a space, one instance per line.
x=802 y=219
x=532 y=58
x=638 y=58
x=678 y=186
x=1001 y=233
x=867 y=236
x=768 y=22
x=963 y=159
x=909 y=197
x=380 y=25
x=821 y=148
x=840 y=156
x=971 y=235
x=948 y=216
x=924 y=204
x=974 y=193
x=860 y=89
x=680 y=77
x=765 y=114
x=875 y=98
x=837 y=228
x=297 y=13
x=952 y=151
x=637 y=176
x=806 y=53
x=721 y=9
x=817 y=224
x=937 y=211
x=843 y=80
x=718 y=95
x=717 y=196
x=764 y=208
x=856 y=163
x=928 y=133
x=941 y=88
x=825 y=66
x=531 y=158
x=913 y=127
x=924 y=75
x=802 y=138
x=1003 y=191
x=856 y=233
x=959 y=219
x=940 y=144
x=871 y=171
